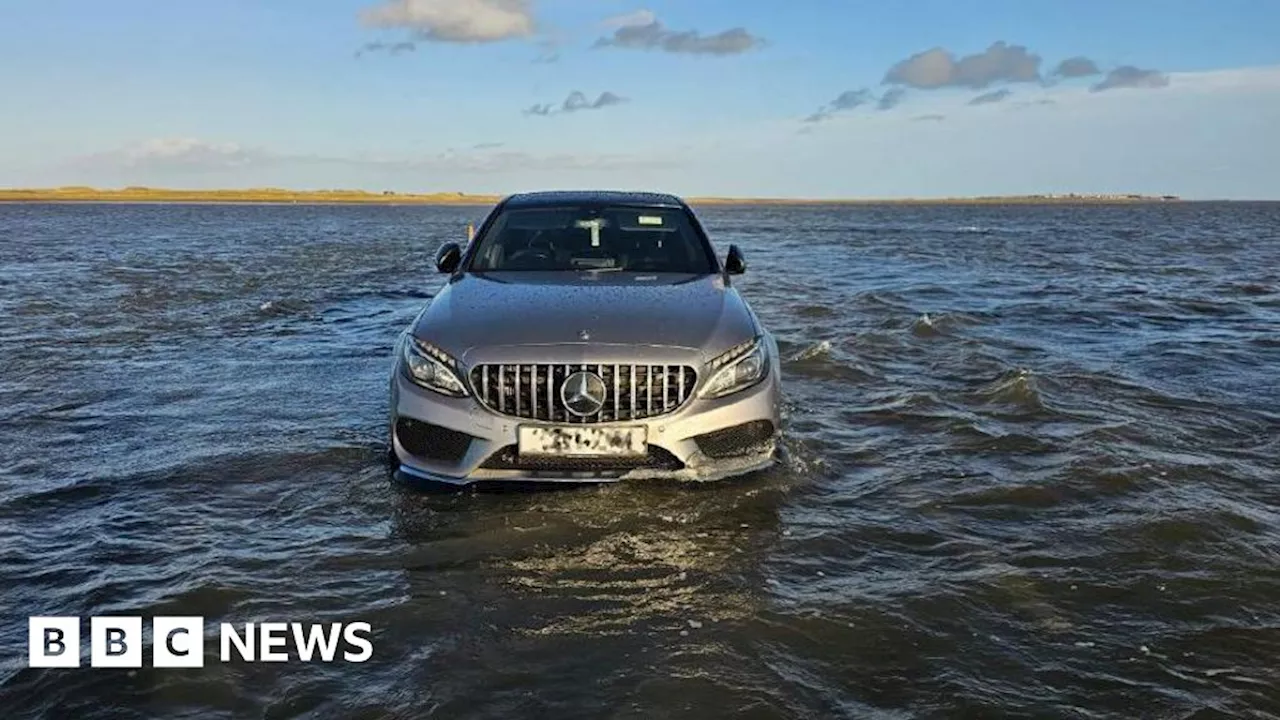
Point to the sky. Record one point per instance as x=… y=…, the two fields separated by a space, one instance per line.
x=759 y=98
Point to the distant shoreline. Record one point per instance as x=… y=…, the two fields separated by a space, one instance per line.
x=272 y=196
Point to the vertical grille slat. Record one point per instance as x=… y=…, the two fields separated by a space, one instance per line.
x=532 y=391
x=502 y=388
x=648 y=387
x=666 y=389
x=551 y=384
x=568 y=417
x=603 y=414
x=633 y=392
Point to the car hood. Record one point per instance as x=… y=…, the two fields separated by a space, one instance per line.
x=700 y=313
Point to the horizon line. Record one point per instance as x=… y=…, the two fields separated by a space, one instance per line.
x=265 y=195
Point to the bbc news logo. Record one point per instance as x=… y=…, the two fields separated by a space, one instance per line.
x=178 y=642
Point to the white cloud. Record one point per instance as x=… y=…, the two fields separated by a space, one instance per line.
x=463 y=21
x=1249 y=78
x=167 y=156
x=639 y=18
x=178 y=153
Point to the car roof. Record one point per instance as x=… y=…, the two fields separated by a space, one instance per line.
x=547 y=198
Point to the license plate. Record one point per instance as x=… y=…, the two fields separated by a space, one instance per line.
x=583 y=441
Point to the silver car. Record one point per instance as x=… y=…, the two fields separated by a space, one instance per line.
x=585 y=337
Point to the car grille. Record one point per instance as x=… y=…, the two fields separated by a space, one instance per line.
x=631 y=392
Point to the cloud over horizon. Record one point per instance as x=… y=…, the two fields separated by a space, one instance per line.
x=191 y=156
x=890 y=99
x=178 y=153
x=938 y=68
x=853 y=99
x=1001 y=63
x=576 y=102
x=456 y=21
x=847 y=100
x=1128 y=76
x=1075 y=67
x=395 y=48
x=992 y=97
x=634 y=33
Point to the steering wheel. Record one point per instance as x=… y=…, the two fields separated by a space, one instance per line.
x=531 y=256
x=538 y=251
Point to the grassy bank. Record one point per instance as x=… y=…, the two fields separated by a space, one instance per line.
x=360 y=197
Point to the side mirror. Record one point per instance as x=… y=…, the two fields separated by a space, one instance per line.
x=448 y=257
x=734 y=263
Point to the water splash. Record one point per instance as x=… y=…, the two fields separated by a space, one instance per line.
x=816 y=350
x=925 y=327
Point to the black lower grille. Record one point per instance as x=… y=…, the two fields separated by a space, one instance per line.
x=508 y=458
x=736 y=440
x=432 y=441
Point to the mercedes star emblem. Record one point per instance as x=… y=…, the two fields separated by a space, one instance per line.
x=584 y=335
x=583 y=393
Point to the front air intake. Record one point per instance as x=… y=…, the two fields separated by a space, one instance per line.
x=735 y=441
x=432 y=442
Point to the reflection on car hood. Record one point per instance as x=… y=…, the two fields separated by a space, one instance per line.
x=521 y=308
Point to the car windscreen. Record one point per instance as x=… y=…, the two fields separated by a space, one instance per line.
x=634 y=239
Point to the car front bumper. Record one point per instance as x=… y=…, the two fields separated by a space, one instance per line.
x=458 y=441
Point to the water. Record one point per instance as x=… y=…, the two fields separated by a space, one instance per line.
x=1032 y=471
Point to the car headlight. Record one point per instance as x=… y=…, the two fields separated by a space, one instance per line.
x=741 y=367
x=431 y=367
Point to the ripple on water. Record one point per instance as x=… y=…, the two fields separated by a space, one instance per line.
x=1028 y=470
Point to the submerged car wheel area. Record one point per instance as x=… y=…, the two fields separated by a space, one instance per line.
x=585 y=337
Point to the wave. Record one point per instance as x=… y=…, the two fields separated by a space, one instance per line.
x=1018 y=387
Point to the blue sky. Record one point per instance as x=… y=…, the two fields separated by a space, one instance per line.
x=819 y=98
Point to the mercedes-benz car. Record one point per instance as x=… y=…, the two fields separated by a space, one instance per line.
x=585 y=337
